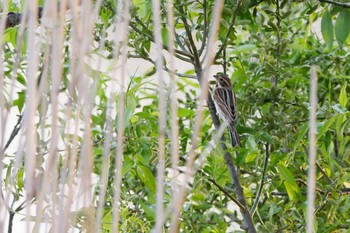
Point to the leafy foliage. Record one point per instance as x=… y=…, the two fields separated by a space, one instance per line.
x=269 y=48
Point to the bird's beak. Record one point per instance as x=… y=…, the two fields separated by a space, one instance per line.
x=215 y=76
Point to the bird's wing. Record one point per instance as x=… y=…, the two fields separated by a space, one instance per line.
x=225 y=100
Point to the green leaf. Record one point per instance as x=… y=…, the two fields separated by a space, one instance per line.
x=327 y=29
x=341 y=27
x=144 y=8
x=184 y=112
x=10 y=35
x=343 y=98
x=326 y=126
x=147 y=177
x=244 y=48
x=286 y=174
x=302 y=131
x=165 y=37
x=19 y=102
x=339 y=126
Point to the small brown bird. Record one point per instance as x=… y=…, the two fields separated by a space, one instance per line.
x=225 y=103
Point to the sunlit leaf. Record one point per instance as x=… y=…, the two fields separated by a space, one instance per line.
x=341 y=27
x=327 y=29
x=343 y=97
x=147 y=177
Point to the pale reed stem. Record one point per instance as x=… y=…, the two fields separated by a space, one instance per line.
x=31 y=102
x=122 y=20
x=173 y=97
x=311 y=181
x=162 y=116
x=3 y=115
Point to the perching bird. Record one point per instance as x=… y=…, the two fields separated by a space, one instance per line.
x=225 y=103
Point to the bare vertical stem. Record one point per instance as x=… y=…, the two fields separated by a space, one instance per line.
x=173 y=97
x=31 y=101
x=123 y=20
x=3 y=113
x=312 y=153
x=162 y=117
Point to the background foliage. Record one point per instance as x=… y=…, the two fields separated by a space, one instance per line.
x=269 y=48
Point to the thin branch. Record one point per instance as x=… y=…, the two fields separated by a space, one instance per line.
x=224 y=62
x=164 y=66
x=233 y=20
x=12 y=214
x=342 y=191
x=342 y=4
x=178 y=40
x=227 y=193
x=146 y=32
x=14 y=132
x=275 y=77
x=205 y=32
x=177 y=52
x=256 y=201
x=189 y=35
x=324 y=173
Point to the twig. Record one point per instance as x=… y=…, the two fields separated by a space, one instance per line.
x=342 y=4
x=233 y=20
x=227 y=194
x=278 y=47
x=14 y=132
x=205 y=33
x=151 y=38
x=224 y=62
x=189 y=35
x=256 y=201
x=342 y=191
x=164 y=66
x=324 y=173
x=12 y=214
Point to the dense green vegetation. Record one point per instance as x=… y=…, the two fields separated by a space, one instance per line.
x=267 y=48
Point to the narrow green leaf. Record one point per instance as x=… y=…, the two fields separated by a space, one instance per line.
x=343 y=98
x=291 y=194
x=244 y=48
x=327 y=29
x=301 y=134
x=184 y=112
x=326 y=126
x=339 y=126
x=341 y=27
x=286 y=174
x=147 y=177
x=165 y=37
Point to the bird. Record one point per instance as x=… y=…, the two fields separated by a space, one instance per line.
x=225 y=103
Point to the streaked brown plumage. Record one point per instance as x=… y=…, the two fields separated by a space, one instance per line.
x=225 y=103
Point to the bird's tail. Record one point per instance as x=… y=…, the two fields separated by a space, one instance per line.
x=234 y=136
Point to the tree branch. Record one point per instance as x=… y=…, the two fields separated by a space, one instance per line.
x=150 y=37
x=224 y=43
x=226 y=193
x=192 y=44
x=205 y=32
x=256 y=201
x=342 y=4
x=14 y=133
x=248 y=220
